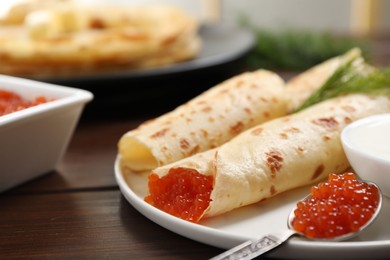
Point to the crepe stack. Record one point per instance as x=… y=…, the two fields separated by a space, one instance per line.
x=219 y=114
x=49 y=37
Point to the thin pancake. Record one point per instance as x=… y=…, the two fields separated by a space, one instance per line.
x=206 y=121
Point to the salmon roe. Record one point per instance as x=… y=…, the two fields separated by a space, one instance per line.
x=11 y=102
x=341 y=205
x=183 y=193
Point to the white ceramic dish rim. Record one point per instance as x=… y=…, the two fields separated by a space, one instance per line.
x=64 y=97
x=215 y=237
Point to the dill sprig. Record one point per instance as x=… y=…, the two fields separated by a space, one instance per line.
x=351 y=77
x=295 y=49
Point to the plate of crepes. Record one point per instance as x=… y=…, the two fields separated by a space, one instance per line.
x=230 y=164
x=56 y=40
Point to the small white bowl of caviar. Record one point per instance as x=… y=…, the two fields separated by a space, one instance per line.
x=37 y=121
x=366 y=143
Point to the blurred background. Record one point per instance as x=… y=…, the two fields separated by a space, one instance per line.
x=362 y=19
x=288 y=37
x=358 y=17
x=284 y=22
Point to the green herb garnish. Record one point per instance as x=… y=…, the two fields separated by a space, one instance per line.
x=352 y=77
x=293 y=49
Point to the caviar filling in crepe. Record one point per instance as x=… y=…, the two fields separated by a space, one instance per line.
x=54 y=37
x=221 y=113
x=270 y=158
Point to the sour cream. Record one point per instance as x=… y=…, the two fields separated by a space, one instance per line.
x=366 y=143
x=372 y=136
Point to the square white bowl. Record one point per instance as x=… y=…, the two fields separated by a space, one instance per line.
x=33 y=140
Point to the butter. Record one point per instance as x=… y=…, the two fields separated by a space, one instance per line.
x=42 y=24
x=51 y=23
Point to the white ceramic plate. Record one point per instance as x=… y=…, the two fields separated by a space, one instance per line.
x=253 y=221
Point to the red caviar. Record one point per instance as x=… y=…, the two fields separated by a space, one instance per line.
x=183 y=192
x=337 y=207
x=11 y=102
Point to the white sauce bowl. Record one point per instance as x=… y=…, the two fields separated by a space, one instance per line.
x=366 y=143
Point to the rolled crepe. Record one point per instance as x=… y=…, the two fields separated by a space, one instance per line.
x=270 y=158
x=219 y=114
x=205 y=122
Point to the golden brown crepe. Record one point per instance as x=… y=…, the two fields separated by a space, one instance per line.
x=63 y=38
x=206 y=121
x=270 y=158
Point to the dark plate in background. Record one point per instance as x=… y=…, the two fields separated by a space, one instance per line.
x=130 y=92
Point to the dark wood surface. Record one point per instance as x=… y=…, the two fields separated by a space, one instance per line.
x=78 y=212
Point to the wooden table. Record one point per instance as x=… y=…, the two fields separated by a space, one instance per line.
x=78 y=211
